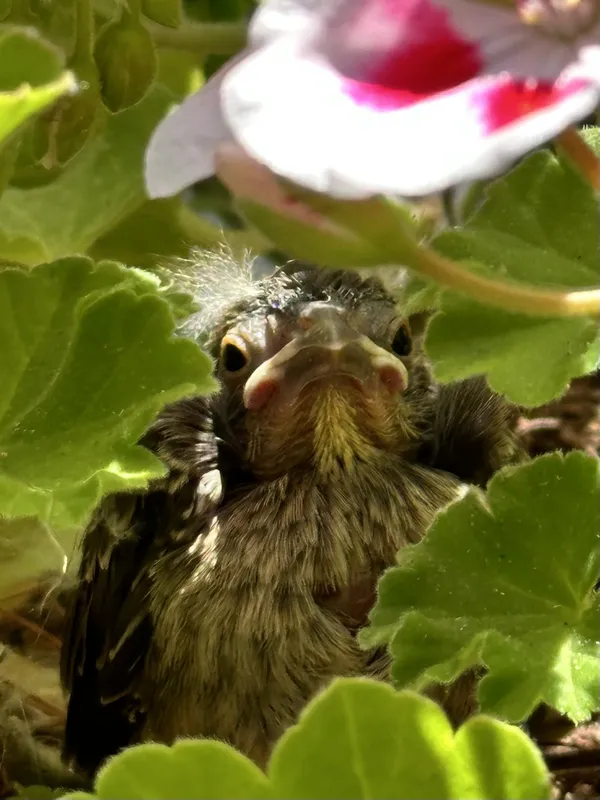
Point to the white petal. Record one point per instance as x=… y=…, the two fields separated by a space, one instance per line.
x=248 y=179
x=290 y=112
x=507 y=43
x=275 y=18
x=182 y=148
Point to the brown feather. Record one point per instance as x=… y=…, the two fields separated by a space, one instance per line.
x=220 y=601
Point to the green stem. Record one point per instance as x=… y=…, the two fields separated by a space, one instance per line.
x=84 y=33
x=386 y=226
x=135 y=9
x=218 y=38
x=509 y=296
x=578 y=152
x=202 y=233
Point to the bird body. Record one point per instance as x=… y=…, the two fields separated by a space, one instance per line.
x=258 y=595
x=221 y=600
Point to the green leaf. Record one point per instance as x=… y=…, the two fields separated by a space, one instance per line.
x=539 y=225
x=9 y=152
x=419 y=295
x=29 y=171
x=126 y=60
x=150 y=237
x=327 y=244
x=496 y=760
x=358 y=739
x=105 y=177
x=5 y=9
x=529 y=359
x=179 y=71
x=505 y=580
x=189 y=769
x=31 y=78
x=89 y=361
x=28 y=549
x=25 y=58
x=39 y=793
x=165 y=12
x=62 y=131
x=56 y=20
x=363 y=739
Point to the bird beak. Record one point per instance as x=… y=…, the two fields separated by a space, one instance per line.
x=324 y=347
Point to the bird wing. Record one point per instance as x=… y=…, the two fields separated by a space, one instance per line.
x=470 y=431
x=109 y=627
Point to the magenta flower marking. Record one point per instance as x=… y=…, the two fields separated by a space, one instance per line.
x=404 y=97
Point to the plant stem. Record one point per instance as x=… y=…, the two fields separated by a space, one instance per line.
x=200 y=232
x=135 y=9
x=578 y=152
x=218 y=38
x=84 y=33
x=517 y=297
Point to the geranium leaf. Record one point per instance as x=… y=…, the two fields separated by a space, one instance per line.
x=538 y=224
x=358 y=739
x=504 y=580
x=89 y=361
x=105 y=177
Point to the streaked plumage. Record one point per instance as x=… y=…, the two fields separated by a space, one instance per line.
x=218 y=602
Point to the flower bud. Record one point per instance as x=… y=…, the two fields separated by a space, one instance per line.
x=30 y=171
x=61 y=131
x=126 y=61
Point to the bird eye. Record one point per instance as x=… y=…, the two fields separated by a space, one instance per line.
x=402 y=344
x=234 y=354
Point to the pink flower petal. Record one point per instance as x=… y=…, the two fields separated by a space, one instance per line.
x=406 y=50
x=247 y=179
x=290 y=110
x=182 y=148
x=505 y=103
x=398 y=52
x=356 y=97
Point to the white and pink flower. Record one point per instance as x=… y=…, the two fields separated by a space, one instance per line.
x=404 y=97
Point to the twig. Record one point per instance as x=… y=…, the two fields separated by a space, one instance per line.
x=18 y=619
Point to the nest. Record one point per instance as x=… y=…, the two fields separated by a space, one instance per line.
x=32 y=705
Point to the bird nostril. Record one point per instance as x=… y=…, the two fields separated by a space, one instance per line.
x=318 y=311
x=260 y=394
x=392 y=378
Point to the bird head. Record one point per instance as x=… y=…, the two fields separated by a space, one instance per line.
x=318 y=368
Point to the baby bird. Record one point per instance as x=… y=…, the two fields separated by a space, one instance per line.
x=220 y=600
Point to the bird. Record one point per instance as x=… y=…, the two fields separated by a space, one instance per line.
x=218 y=601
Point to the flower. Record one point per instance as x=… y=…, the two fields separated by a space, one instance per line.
x=406 y=97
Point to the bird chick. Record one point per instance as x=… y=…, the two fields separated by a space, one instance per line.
x=218 y=602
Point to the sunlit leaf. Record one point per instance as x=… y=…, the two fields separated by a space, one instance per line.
x=89 y=360
x=358 y=739
x=539 y=224
x=505 y=580
x=31 y=78
x=102 y=185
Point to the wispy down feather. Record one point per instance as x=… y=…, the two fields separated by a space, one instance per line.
x=216 y=279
